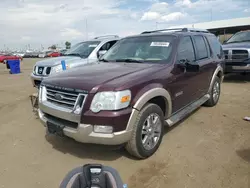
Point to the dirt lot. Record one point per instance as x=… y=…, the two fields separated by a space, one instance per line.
x=209 y=149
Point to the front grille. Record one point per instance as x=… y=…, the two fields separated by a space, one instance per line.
x=48 y=70
x=62 y=98
x=40 y=70
x=226 y=54
x=65 y=98
x=239 y=54
x=60 y=121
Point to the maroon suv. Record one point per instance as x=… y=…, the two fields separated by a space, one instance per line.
x=143 y=83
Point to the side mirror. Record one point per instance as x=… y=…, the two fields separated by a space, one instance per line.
x=101 y=53
x=188 y=66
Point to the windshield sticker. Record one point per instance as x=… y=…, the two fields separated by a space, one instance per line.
x=162 y=44
x=92 y=45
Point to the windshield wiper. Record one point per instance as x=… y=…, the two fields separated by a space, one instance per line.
x=103 y=60
x=128 y=60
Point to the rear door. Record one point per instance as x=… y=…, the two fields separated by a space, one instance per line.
x=206 y=62
x=183 y=85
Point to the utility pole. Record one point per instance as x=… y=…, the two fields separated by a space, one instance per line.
x=211 y=11
x=86 y=29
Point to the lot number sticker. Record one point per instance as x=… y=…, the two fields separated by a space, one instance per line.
x=162 y=44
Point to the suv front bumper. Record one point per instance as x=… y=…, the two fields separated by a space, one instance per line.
x=84 y=132
x=237 y=69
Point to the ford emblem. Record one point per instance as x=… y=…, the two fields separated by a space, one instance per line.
x=58 y=96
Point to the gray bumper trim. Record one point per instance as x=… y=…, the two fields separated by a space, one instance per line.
x=84 y=133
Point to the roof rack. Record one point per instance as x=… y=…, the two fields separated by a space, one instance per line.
x=178 y=30
x=107 y=36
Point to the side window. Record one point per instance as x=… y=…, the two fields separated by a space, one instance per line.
x=108 y=45
x=185 y=50
x=202 y=51
x=216 y=46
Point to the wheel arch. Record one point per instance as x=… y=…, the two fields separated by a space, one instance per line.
x=153 y=94
x=218 y=72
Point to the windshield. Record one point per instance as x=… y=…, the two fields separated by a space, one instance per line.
x=143 y=49
x=239 y=37
x=83 y=49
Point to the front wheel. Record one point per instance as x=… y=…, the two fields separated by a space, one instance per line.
x=147 y=133
x=214 y=93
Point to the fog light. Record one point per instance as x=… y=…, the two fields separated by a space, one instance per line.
x=77 y=110
x=103 y=129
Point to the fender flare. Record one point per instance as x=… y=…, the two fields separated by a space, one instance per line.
x=150 y=94
x=143 y=99
x=217 y=70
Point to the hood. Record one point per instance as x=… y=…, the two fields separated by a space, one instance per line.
x=49 y=62
x=106 y=76
x=237 y=45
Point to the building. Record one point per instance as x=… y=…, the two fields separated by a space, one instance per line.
x=223 y=28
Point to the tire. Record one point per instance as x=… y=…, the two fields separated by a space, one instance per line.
x=7 y=65
x=214 y=100
x=135 y=146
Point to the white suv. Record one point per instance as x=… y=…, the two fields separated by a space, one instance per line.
x=80 y=54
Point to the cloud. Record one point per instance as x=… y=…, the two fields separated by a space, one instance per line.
x=247 y=10
x=151 y=16
x=47 y=22
x=173 y=16
x=205 y=5
x=161 y=7
x=71 y=33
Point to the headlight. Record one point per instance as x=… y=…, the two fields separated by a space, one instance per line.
x=110 y=100
x=58 y=68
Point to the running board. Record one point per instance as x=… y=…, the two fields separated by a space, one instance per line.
x=186 y=111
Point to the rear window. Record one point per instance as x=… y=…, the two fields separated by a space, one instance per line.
x=201 y=47
x=215 y=46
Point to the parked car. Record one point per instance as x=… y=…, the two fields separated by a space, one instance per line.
x=31 y=55
x=80 y=54
x=54 y=54
x=237 y=53
x=44 y=54
x=8 y=56
x=142 y=83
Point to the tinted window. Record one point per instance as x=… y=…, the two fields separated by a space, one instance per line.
x=215 y=45
x=152 y=49
x=83 y=49
x=108 y=45
x=201 y=47
x=186 y=49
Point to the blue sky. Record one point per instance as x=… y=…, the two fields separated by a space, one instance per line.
x=45 y=22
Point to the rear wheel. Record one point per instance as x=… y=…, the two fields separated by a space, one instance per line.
x=214 y=93
x=147 y=133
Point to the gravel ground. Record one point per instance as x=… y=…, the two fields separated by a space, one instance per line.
x=210 y=149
